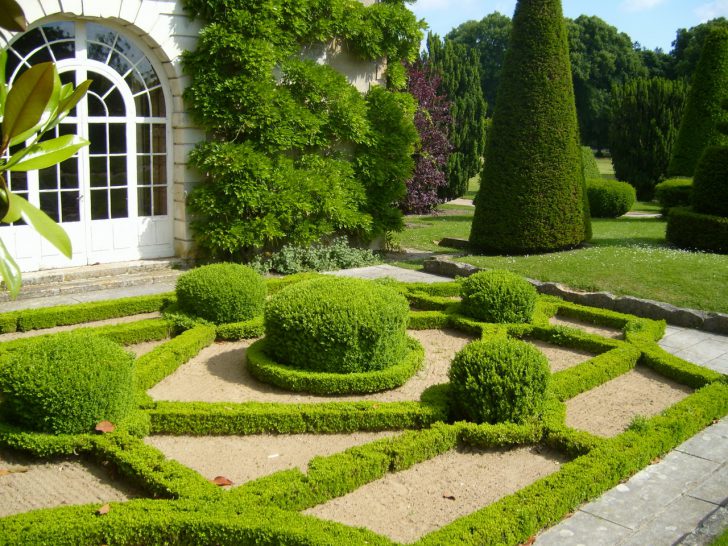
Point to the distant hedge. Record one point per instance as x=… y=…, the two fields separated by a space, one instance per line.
x=674 y=192
x=609 y=198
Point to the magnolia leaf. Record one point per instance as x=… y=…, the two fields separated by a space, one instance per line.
x=12 y=17
x=3 y=85
x=28 y=100
x=4 y=200
x=46 y=154
x=9 y=207
x=9 y=271
x=67 y=102
x=40 y=221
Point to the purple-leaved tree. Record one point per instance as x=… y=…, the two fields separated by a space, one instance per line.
x=432 y=120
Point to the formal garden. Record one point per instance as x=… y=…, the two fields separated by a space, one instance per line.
x=305 y=408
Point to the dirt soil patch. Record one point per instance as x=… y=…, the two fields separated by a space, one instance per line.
x=589 y=327
x=409 y=504
x=119 y=320
x=245 y=458
x=608 y=410
x=28 y=484
x=218 y=374
x=561 y=358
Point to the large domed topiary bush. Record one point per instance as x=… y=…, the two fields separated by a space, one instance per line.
x=609 y=198
x=499 y=380
x=222 y=293
x=710 y=183
x=498 y=296
x=338 y=325
x=532 y=194
x=66 y=384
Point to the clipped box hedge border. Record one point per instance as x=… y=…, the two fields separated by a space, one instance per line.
x=265 y=510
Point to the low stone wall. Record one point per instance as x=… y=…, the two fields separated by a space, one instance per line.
x=677 y=316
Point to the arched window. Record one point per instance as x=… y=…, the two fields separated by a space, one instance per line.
x=123 y=174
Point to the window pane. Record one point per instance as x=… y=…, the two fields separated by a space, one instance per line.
x=62 y=30
x=97 y=136
x=70 y=206
x=12 y=64
x=148 y=73
x=96 y=106
x=144 y=169
x=99 y=176
x=119 y=208
x=49 y=204
x=160 y=170
x=144 y=141
x=118 y=171
x=99 y=205
x=156 y=97
x=64 y=50
x=98 y=52
x=129 y=50
x=143 y=107
x=41 y=56
x=119 y=63
x=144 y=201
x=100 y=33
x=135 y=82
x=160 y=200
x=69 y=173
x=99 y=84
x=117 y=138
x=18 y=181
x=28 y=42
x=48 y=178
x=159 y=133
x=115 y=103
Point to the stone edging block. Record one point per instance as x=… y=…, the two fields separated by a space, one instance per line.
x=677 y=316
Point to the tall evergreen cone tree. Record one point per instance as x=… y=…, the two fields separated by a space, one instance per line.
x=710 y=185
x=703 y=113
x=459 y=68
x=532 y=195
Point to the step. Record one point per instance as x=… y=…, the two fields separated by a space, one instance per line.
x=67 y=282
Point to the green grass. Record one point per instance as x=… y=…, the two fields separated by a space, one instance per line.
x=722 y=540
x=473 y=187
x=605 y=166
x=627 y=256
x=644 y=206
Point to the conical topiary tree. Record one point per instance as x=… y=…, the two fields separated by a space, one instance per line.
x=703 y=114
x=710 y=184
x=532 y=193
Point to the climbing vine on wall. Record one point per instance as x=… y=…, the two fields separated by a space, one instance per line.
x=295 y=152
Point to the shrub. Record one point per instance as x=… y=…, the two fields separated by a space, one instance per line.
x=498 y=296
x=609 y=198
x=319 y=257
x=532 y=195
x=703 y=114
x=645 y=119
x=222 y=292
x=688 y=229
x=589 y=163
x=67 y=383
x=499 y=380
x=674 y=192
x=337 y=324
x=710 y=185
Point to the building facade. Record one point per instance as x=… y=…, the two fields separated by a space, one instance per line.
x=123 y=197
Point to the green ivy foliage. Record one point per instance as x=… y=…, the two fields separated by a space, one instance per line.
x=296 y=152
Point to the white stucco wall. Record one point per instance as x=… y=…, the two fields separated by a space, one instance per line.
x=166 y=31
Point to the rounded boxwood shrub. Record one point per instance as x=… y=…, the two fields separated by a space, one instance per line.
x=338 y=325
x=499 y=380
x=674 y=192
x=222 y=293
x=710 y=184
x=67 y=383
x=609 y=198
x=498 y=296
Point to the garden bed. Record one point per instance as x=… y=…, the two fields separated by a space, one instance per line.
x=279 y=482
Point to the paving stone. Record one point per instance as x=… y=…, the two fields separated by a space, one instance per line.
x=708 y=530
x=381 y=271
x=670 y=525
x=583 y=529
x=651 y=489
x=711 y=444
x=714 y=488
x=680 y=339
x=703 y=352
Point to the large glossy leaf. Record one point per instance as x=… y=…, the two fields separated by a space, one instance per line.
x=40 y=221
x=3 y=85
x=4 y=200
x=9 y=271
x=46 y=153
x=11 y=210
x=12 y=17
x=28 y=99
x=68 y=101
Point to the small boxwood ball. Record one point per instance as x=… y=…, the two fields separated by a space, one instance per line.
x=498 y=296
x=499 y=380
x=337 y=325
x=66 y=384
x=222 y=293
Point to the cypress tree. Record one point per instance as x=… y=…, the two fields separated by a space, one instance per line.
x=532 y=195
x=702 y=112
x=710 y=185
x=459 y=68
x=645 y=120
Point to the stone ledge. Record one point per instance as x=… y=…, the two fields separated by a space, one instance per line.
x=688 y=318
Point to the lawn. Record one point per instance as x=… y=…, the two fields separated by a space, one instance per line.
x=627 y=256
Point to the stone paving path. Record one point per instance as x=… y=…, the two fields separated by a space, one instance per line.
x=683 y=499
